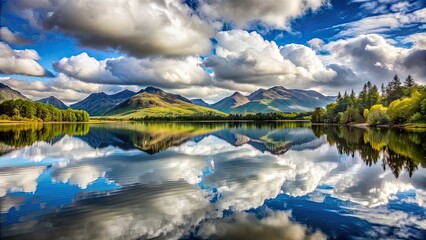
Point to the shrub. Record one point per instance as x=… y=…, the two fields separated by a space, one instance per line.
x=416 y=117
x=401 y=110
x=377 y=115
x=351 y=115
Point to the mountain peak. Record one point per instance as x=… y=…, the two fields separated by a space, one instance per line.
x=237 y=94
x=233 y=101
x=99 y=94
x=123 y=94
x=52 y=100
x=8 y=93
x=278 y=88
x=200 y=102
x=152 y=90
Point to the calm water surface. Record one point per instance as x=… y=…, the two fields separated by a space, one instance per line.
x=211 y=181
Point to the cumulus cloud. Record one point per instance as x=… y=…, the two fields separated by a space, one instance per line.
x=246 y=58
x=19 y=179
x=12 y=37
x=272 y=13
x=82 y=175
x=371 y=57
x=67 y=149
x=417 y=39
x=243 y=225
x=140 y=28
x=245 y=61
x=20 y=62
x=316 y=43
x=160 y=72
x=167 y=211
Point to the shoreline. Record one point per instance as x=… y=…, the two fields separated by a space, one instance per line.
x=103 y=121
x=366 y=125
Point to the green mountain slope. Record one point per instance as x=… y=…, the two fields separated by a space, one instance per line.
x=231 y=102
x=276 y=99
x=97 y=104
x=7 y=93
x=155 y=102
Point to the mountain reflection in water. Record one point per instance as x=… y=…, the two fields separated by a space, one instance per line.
x=274 y=180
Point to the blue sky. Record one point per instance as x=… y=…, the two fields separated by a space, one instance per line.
x=208 y=49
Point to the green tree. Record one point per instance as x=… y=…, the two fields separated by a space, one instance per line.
x=377 y=115
x=318 y=115
x=409 y=82
x=400 y=111
x=351 y=115
x=394 y=90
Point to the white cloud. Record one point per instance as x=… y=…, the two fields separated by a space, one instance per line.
x=316 y=43
x=373 y=58
x=273 y=13
x=242 y=225
x=246 y=58
x=384 y=23
x=245 y=61
x=63 y=150
x=168 y=211
x=400 y=6
x=139 y=28
x=12 y=37
x=19 y=179
x=82 y=175
x=160 y=72
x=20 y=62
x=417 y=39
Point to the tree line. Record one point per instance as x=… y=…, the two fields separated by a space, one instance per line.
x=397 y=103
x=21 y=109
x=273 y=116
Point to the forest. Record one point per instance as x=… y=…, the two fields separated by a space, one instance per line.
x=395 y=104
x=26 y=110
x=273 y=116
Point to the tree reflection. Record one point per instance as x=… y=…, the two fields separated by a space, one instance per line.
x=17 y=136
x=397 y=149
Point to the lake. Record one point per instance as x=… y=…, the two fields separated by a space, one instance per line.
x=272 y=180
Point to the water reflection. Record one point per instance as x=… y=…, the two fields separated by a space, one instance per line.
x=275 y=180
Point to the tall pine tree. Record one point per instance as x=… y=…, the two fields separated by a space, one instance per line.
x=409 y=82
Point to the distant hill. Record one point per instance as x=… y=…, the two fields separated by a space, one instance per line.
x=156 y=102
x=275 y=99
x=200 y=102
x=97 y=104
x=231 y=102
x=7 y=93
x=53 y=101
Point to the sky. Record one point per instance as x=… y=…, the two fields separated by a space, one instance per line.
x=208 y=48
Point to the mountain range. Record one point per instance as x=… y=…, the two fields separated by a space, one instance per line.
x=97 y=104
x=53 y=101
x=156 y=102
x=275 y=99
x=7 y=93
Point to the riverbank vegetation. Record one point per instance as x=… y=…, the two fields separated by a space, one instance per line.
x=397 y=103
x=275 y=116
x=26 y=110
